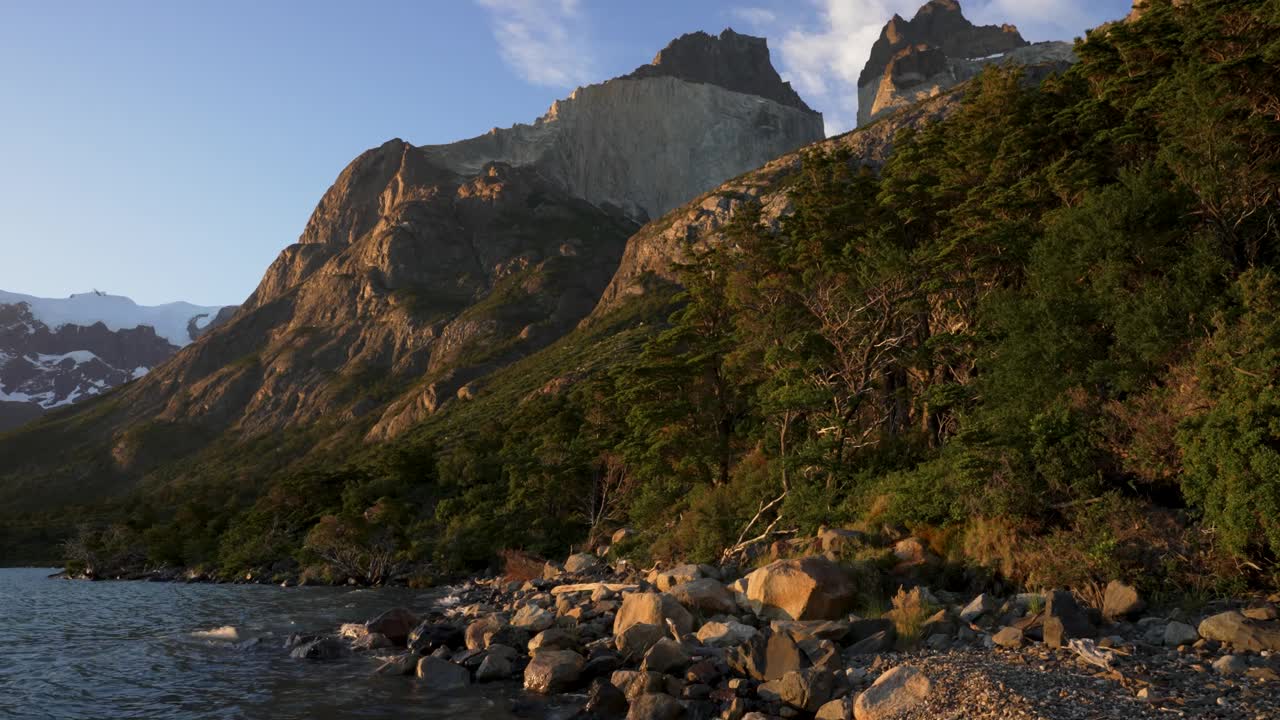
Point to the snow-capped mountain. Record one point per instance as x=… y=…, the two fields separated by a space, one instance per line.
x=58 y=351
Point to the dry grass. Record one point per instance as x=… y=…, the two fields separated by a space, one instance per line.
x=520 y=566
x=909 y=614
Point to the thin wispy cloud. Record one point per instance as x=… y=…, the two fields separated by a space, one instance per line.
x=538 y=40
x=755 y=17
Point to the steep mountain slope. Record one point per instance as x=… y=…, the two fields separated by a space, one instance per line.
x=57 y=351
x=936 y=50
x=425 y=268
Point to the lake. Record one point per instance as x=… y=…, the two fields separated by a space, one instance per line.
x=75 y=649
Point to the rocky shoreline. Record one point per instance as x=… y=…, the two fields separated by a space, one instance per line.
x=790 y=640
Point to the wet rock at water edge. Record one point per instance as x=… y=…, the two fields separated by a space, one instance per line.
x=437 y=674
x=553 y=671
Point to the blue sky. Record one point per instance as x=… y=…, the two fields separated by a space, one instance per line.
x=169 y=150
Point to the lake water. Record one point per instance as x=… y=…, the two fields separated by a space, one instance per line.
x=71 y=649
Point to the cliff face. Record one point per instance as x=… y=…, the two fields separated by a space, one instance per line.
x=612 y=144
x=936 y=50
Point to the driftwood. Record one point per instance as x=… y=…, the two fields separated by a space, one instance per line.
x=1092 y=654
x=741 y=544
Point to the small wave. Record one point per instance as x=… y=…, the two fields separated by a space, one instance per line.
x=226 y=632
x=449 y=601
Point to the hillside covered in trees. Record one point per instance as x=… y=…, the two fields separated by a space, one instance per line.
x=1045 y=336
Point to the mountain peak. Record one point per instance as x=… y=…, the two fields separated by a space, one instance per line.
x=940 y=24
x=731 y=60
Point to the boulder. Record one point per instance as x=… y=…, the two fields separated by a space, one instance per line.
x=395 y=623
x=438 y=674
x=1265 y=612
x=1240 y=632
x=725 y=634
x=838 y=540
x=325 y=648
x=634 y=683
x=893 y=693
x=1230 y=665
x=984 y=604
x=604 y=700
x=811 y=588
x=553 y=639
x=877 y=643
x=621 y=535
x=664 y=580
x=430 y=636
x=1176 y=633
x=480 y=632
x=807 y=689
x=656 y=706
x=1064 y=620
x=666 y=656
x=493 y=667
x=1009 y=637
x=372 y=641
x=551 y=570
x=403 y=664
x=636 y=640
x=581 y=562
x=1121 y=600
x=768 y=656
x=840 y=709
x=706 y=594
x=553 y=671
x=653 y=609
x=533 y=618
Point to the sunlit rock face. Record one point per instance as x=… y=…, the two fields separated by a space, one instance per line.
x=936 y=50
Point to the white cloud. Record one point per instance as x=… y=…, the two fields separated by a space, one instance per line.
x=755 y=17
x=540 y=40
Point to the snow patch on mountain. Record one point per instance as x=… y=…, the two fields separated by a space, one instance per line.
x=170 y=320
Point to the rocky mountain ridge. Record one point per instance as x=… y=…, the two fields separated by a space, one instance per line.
x=938 y=49
x=57 y=351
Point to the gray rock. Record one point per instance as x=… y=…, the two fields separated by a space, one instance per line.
x=877 y=643
x=893 y=693
x=768 y=656
x=984 y=604
x=1240 y=632
x=1176 y=633
x=839 y=709
x=553 y=639
x=811 y=588
x=1229 y=665
x=1121 y=600
x=325 y=648
x=656 y=706
x=653 y=609
x=666 y=656
x=1009 y=637
x=634 y=683
x=493 y=667
x=438 y=674
x=395 y=623
x=725 y=634
x=807 y=689
x=581 y=562
x=706 y=594
x=553 y=671
x=533 y=618
x=636 y=640
x=1064 y=620
x=604 y=700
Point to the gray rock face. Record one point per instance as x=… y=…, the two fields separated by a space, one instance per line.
x=937 y=49
x=642 y=145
